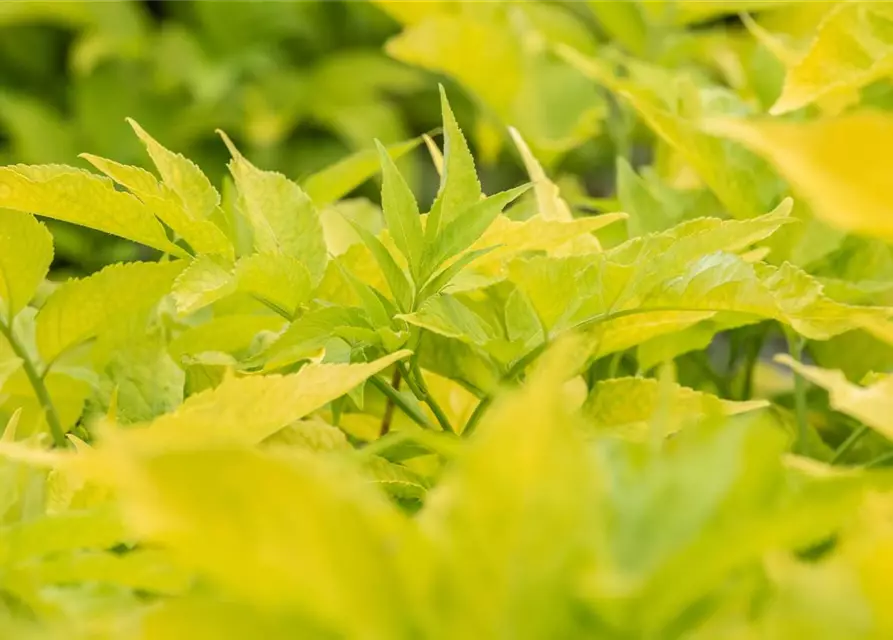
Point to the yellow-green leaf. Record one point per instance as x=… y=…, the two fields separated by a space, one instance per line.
x=26 y=252
x=279 y=280
x=80 y=309
x=181 y=175
x=872 y=404
x=320 y=537
x=459 y=186
x=817 y=158
x=202 y=235
x=250 y=409
x=69 y=194
x=337 y=180
x=852 y=48
x=630 y=403
x=201 y=283
x=282 y=216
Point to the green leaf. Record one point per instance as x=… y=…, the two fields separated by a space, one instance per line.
x=26 y=252
x=250 y=409
x=666 y=541
x=312 y=435
x=467 y=227
x=624 y=22
x=182 y=176
x=398 y=282
x=146 y=381
x=337 y=180
x=446 y=315
x=459 y=185
x=82 y=309
x=71 y=195
x=401 y=212
x=282 y=216
x=310 y=332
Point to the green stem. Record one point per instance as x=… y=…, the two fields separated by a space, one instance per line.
x=795 y=345
x=37 y=383
x=887 y=457
x=417 y=385
x=399 y=401
x=388 y=415
x=849 y=443
x=514 y=372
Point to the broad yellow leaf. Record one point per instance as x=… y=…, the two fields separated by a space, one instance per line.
x=250 y=409
x=873 y=404
x=839 y=164
x=292 y=533
x=202 y=234
x=628 y=404
x=852 y=47
x=76 y=196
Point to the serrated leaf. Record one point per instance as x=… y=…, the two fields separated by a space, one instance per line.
x=401 y=212
x=459 y=186
x=400 y=285
x=204 y=281
x=853 y=196
x=310 y=332
x=202 y=235
x=76 y=196
x=279 y=280
x=395 y=479
x=26 y=252
x=250 y=409
x=336 y=181
x=512 y=238
x=466 y=228
x=282 y=216
x=80 y=309
x=446 y=315
x=181 y=175
x=147 y=382
x=872 y=404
